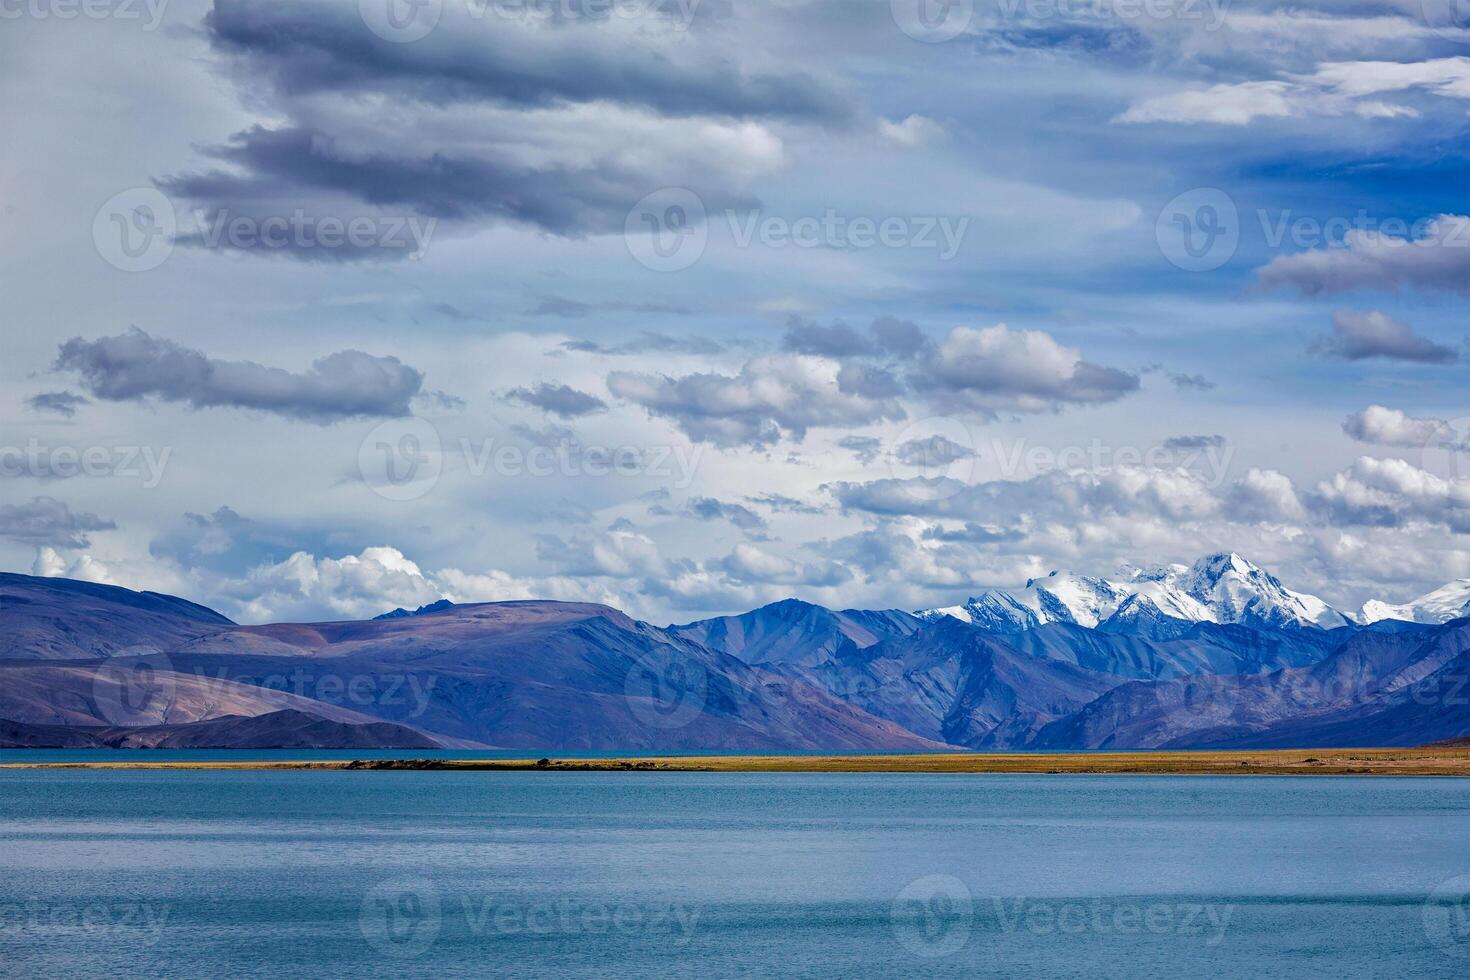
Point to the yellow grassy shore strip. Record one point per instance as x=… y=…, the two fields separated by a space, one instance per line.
x=1326 y=762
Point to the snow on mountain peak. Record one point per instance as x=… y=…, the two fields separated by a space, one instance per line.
x=1220 y=588
x=1448 y=602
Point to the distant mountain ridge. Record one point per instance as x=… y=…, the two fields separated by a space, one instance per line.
x=1215 y=654
x=1218 y=588
x=1449 y=602
x=433 y=607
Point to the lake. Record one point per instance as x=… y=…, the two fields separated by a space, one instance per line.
x=699 y=874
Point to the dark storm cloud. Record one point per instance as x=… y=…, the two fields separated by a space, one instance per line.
x=134 y=366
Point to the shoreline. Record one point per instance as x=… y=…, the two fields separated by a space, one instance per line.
x=1272 y=762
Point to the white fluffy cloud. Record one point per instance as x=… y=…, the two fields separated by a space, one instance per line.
x=1378 y=425
x=1393 y=493
x=997 y=368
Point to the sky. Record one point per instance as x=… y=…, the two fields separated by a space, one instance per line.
x=316 y=309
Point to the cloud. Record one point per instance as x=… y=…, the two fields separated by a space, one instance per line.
x=226 y=542
x=575 y=310
x=64 y=403
x=710 y=509
x=748 y=563
x=1393 y=493
x=1061 y=495
x=1226 y=105
x=773 y=396
x=1357 y=336
x=649 y=342
x=914 y=130
x=997 y=368
x=561 y=126
x=1439 y=259
x=833 y=340
x=560 y=400
x=1192 y=382
x=1380 y=426
x=49 y=563
x=456 y=314
x=1138 y=498
x=550 y=435
x=865 y=448
x=560 y=306
x=134 y=366
x=321 y=47
x=931 y=453
x=782 y=504
x=1335 y=89
x=46 y=521
x=884 y=336
x=1264 y=495
x=1191 y=443
x=974 y=533
x=619 y=553
x=898 y=337
x=351 y=587
x=307 y=588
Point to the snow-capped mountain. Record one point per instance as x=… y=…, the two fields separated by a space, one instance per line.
x=1440 y=606
x=1220 y=588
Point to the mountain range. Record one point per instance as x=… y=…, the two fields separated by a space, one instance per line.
x=1216 y=654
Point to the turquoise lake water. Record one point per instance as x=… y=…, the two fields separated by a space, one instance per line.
x=701 y=874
